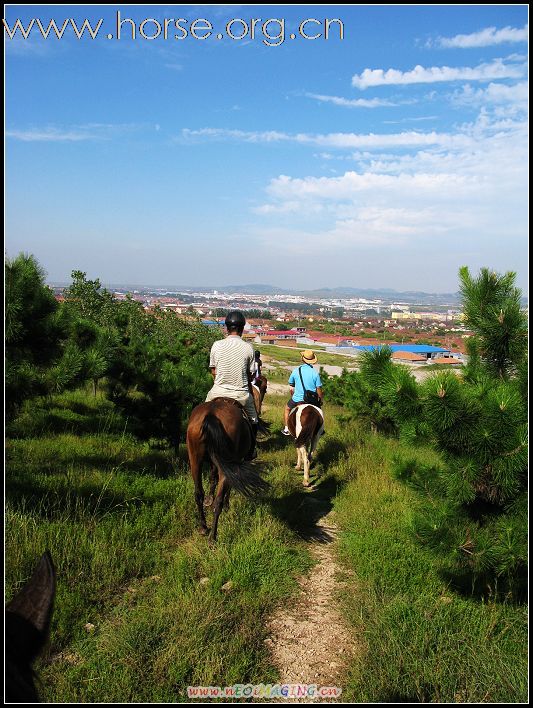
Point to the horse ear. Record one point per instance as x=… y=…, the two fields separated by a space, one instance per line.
x=35 y=601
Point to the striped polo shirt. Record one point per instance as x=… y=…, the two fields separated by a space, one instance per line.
x=232 y=359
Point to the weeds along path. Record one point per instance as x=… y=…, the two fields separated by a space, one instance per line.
x=309 y=640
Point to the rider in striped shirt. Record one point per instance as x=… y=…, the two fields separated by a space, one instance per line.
x=231 y=363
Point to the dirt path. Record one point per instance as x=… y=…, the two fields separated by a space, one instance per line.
x=309 y=640
x=278 y=389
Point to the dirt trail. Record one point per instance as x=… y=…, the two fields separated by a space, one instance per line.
x=309 y=640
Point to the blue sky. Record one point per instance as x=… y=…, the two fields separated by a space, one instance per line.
x=388 y=158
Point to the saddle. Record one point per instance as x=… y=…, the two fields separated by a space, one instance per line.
x=239 y=405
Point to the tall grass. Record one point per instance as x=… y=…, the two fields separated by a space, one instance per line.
x=119 y=519
x=132 y=622
x=423 y=642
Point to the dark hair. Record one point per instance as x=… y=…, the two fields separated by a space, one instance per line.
x=257 y=354
x=235 y=320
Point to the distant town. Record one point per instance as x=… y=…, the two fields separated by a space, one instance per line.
x=419 y=327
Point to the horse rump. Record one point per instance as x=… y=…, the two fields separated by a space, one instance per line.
x=242 y=475
x=311 y=421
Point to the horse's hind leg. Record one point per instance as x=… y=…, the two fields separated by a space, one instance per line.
x=314 y=443
x=213 y=477
x=306 y=465
x=195 y=461
x=226 y=497
x=217 y=506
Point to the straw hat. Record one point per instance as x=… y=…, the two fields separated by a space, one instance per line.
x=308 y=356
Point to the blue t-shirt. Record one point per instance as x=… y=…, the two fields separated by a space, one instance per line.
x=311 y=380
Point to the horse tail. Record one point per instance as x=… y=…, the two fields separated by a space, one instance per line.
x=263 y=426
x=308 y=431
x=241 y=475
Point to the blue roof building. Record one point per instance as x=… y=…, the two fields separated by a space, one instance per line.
x=422 y=349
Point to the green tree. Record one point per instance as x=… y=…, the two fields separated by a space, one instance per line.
x=476 y=517
x=492 y=310
x=88 y=299
x=40 y=357
x=474 y=508
x=160 y=372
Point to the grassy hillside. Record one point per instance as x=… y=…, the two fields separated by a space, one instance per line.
x=422 y=641
x=119 y=519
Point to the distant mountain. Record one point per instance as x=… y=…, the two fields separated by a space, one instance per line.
x=386 y=294
x=383 y=294
x=255 y=289
x=345 y=292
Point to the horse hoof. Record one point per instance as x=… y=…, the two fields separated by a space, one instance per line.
x=208 y=501
x=212 y=542
x=203 y=530
x=306 y=484
x=297 y=467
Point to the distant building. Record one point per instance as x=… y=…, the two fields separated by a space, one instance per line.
x=425 y=351
x=283 y=333
x=432 y=316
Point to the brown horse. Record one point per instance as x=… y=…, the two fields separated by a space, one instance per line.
x=259 y=389
x=219 y=431
x=306 y=425
x=27 y=619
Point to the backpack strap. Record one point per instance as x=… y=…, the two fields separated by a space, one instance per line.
x=301 y=379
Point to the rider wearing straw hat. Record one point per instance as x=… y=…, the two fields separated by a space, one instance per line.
x=304 y=374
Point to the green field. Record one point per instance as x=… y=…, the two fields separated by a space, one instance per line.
x=119 y=519
x=290 y=355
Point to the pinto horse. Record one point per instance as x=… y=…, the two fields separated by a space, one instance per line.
x=219 y=431
x=259 y=389
x=27 y=619
x=306 y=425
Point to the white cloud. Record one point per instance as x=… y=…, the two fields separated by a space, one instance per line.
x=351 y=184
x=483 y=72
x=266 y=136
x=352 y=102
x=418 y=119
x=49 y=135
x=367 y=141
x=515 y=95
x=446 y=199
x=485 y=38
x=79 y=133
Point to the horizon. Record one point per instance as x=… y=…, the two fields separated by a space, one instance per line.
x=393 y=155
x=227 y=287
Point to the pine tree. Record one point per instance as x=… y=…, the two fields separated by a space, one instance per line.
x=477 y=512
x=40 y=359
x=474 y=508
x=160 y=372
